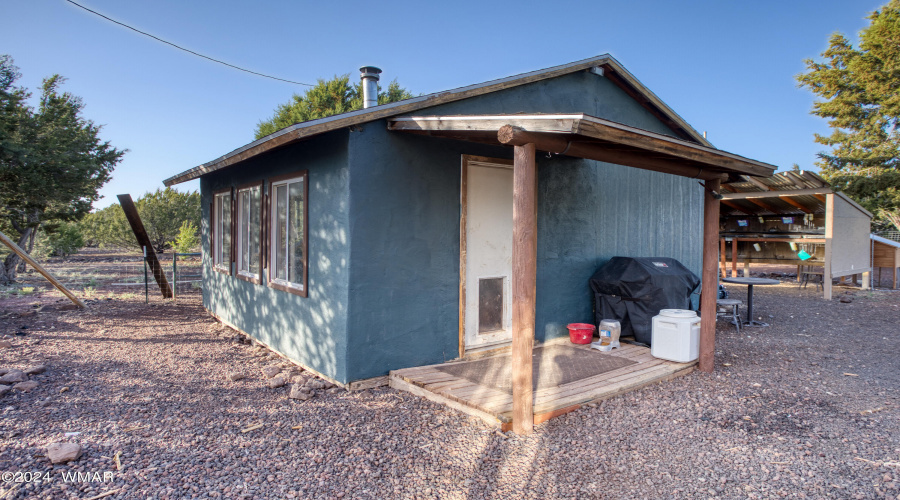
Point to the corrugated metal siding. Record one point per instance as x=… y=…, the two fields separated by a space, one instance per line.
x=589 y=212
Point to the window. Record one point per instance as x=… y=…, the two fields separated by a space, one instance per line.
x=249 y=232
x=288 y=233
x=221 y=233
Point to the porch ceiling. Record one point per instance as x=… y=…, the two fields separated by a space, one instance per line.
x=584 y=136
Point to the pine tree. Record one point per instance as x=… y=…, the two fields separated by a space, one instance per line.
x=860 y=91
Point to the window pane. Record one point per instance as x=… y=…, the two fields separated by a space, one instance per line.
x=296 y=219
x=490 y=305
x=217 y=229
x=255 y=220
x=243 y=236
x=225 y=231
x=280 y=249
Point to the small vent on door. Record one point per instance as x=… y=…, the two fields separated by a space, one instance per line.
x=490 y=304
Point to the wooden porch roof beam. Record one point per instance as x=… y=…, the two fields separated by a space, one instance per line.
x=589 y=137
x=765 y=205
x=555 y=143
x=777 y=194
x=738 y=208
x=790 y=201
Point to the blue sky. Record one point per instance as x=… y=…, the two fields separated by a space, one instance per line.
x=727 y=67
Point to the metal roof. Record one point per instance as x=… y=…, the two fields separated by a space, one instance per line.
x=784 y=193
x=612 y=69
x=885 y=241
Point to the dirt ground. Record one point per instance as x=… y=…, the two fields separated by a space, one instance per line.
x=804 y=408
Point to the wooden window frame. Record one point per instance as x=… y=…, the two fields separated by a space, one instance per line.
x=225 y=269
x=270 y=245
x=246 y=276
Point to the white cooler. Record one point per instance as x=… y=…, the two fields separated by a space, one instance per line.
x=676 y=335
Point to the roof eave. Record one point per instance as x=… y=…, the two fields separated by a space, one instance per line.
x=307 y=129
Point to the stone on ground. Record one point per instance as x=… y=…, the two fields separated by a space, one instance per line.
x=60 y=453
x=36 y=369
x=271 y=370
x=25 y=386
x=13 y=376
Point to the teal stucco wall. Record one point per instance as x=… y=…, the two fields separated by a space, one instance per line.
x=310 y=330
x=404 y=213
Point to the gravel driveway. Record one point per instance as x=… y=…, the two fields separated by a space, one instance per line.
x=807 y=407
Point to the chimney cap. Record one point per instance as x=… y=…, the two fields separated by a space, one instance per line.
x=369 y=71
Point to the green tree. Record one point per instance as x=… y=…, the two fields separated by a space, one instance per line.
x=63 y=240
x=188 y=239
x=52 y=161
x=163 y=213
x=860 y=91
x=326 y=98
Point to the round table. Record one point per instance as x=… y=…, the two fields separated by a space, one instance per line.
x=750 y=282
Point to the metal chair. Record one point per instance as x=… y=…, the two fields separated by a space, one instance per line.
x=807 y=272
x=730 y=307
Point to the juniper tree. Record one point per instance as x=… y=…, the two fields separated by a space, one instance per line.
x=326 y=98
x=52 y=161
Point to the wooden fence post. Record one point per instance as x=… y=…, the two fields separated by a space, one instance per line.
x=143 y=240
x=31 y=262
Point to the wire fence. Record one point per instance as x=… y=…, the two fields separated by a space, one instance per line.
x=95 y=273
x=890 y=235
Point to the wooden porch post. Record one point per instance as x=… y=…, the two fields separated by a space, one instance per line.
x=724 y=267
x=709 y=280
x=734 y=253
x=524 y=277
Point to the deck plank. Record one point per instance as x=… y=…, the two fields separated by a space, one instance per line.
x=495 y=406
x=587 y=393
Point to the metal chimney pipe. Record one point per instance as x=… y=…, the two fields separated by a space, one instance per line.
x=369 y=76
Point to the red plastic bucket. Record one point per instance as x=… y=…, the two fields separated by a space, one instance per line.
x=580 y=333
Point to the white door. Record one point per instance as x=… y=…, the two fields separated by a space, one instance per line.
x=489 y=237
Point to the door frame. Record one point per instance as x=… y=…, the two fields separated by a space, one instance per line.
x=463 y=211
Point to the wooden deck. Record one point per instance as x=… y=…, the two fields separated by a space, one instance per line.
x=495 y=406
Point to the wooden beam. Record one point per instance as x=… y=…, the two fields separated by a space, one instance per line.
x=650 y=142
x=557 y=143
x=524 y=278
x=788 y=200
x=763 y=239
x=709 y=280
x=775 y=194
x=738 y=208
x=796 y=180
x=811 y=178
x=33 y=263
x=134 y=219
x=820 y=197
x=724 y=265
x=734 y=255
x=765 y=205
x=758 y=183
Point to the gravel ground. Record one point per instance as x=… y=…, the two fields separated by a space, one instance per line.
x=807 y=408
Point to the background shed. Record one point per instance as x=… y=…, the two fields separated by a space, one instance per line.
x=886 y=253
x=772 y=220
